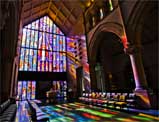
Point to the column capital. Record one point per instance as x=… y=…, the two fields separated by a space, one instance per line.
x=132 y=49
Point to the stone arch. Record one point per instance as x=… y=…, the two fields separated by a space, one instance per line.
x=109 y=30
x=111 y=27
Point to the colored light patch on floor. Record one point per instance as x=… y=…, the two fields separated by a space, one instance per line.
x=75 y=105
x=75 y=116
x=152 y=117
x=142 y=118
x=22 y=112
x=108 y=111
x=71 y=116
x=90 y=116
x=61 y=119
x=92 y=113
x=127 y=120
x=86 y=113
x=60 y=106
x=95 y=112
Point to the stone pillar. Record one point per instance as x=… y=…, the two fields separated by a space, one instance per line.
x=12 y=79
x=139 y=75
x=16 y=77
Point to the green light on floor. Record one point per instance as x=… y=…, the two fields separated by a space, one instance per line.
x=95 y=112
x=61 y=119
x=120 y=119
x=141 y=118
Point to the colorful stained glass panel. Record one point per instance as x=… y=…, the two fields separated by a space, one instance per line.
x=42 y=41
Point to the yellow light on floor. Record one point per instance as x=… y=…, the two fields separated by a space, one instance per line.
x=149 y=116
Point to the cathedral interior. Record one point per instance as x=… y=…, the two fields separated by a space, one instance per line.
x=79 y=60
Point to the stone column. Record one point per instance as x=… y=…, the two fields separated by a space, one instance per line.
x=16 y=76
x=137 y=66
x=139 y=75
x=12 y=79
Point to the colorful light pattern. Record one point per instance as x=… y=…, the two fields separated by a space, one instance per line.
x=43 y=47
x=60 y=87
x=94 y=112
x=26 y=90
x=77 y=56
x=56 y=113
x=77 y=112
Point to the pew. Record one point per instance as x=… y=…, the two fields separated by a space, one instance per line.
x=8 y=110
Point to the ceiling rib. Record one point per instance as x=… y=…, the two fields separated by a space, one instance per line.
x=55 y=19
x=50 y=2
x=58 y=14
x=68 y=10
x=58 y=21
x=58 y=10
x=67 y=17
x=61 y=14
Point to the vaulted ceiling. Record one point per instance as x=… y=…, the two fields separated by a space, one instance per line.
x=67 y=14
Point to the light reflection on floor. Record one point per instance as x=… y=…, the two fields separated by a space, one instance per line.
x=22 y=112
x=77 y=112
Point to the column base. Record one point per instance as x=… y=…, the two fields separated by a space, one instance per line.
x=143 y=100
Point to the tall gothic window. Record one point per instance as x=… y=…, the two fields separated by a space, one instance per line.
x=43 y=47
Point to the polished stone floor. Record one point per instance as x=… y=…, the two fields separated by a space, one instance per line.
x=78 y=112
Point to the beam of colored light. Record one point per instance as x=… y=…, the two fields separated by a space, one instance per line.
x=90 y=116
x=145 y=115
x=141 y=118
x=95 y=112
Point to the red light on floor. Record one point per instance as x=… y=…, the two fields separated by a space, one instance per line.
x=90 y=116
x=108 y=111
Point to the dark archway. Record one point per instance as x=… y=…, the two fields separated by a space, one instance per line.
x=113 y=60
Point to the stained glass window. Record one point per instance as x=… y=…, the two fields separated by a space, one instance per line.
x=60 y=87
x=43 y=47
x=26 y=90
